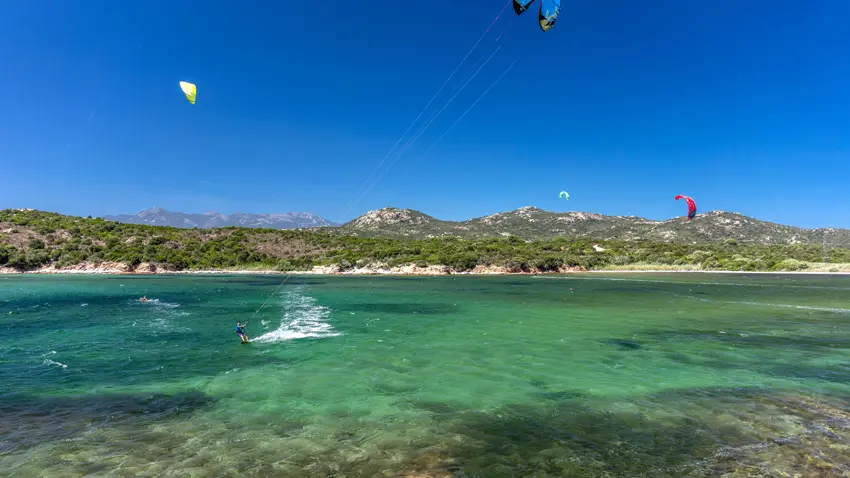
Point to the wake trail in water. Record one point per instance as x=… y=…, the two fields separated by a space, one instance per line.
x=166 y=316
x=836 y=310
x=302 y=318
x=49 y=362
x=710 y=283
x=157 y=303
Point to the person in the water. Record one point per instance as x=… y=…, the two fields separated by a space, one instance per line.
x=144 y=299
x=240 y=331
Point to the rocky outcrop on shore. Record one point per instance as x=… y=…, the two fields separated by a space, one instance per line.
x=334 y=269
x=91 y=268
x=431 y=270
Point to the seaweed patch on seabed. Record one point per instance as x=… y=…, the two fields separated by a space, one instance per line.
x=701 y=432
x=820 y=448
x=771 y=362
x=714 y=432
x=28 y=421
x=624 y=344
x=563 y=439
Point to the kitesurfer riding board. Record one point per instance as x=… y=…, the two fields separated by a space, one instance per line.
x=240 y=331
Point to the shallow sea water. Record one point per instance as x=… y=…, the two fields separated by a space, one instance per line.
x=579 y=375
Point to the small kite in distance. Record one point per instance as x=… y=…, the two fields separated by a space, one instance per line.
x=190 y=90
x=564 y=195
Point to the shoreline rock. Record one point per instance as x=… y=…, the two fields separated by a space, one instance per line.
x=146 y=268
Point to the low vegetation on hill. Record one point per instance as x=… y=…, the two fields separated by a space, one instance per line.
x=32 y=240
x=531 y=223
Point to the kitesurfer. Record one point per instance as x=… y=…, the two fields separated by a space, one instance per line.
x=144 y=299
x=241 y=332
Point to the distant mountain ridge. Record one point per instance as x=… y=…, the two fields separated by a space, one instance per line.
x=161 y=217
x=531 y=223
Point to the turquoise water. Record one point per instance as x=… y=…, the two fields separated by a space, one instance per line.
x=585 y=375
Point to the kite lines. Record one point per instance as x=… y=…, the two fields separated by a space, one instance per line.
x=398 y=152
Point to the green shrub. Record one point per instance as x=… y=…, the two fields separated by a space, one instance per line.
x=621 y=260
x=548 y=263
x=790 y=265
x=461 y=262
x=5 y=253
x=297 y=264
x=697 y=257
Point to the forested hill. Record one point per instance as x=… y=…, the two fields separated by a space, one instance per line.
x=36 y=240
x=530 y=223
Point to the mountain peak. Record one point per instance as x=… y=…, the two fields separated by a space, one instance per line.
x=153 y=210
x=388 y=215
x=526 y=209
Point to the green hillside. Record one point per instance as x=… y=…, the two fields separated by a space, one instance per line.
x=531 y=223
x=31 y=240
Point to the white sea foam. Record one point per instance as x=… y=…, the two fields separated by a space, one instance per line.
x=302 y=317
x=159 y=303
x=165 y=316
x=52 y=362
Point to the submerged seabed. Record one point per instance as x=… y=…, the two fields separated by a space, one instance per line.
x=586 y=375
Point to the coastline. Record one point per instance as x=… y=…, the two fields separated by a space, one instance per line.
x=378 y=269
x=146 y=269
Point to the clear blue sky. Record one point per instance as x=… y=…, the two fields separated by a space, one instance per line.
x=744 y=105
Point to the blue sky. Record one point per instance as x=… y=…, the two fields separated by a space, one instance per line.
x=743 y=105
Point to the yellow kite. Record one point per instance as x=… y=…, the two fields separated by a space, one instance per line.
x=189 y=90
